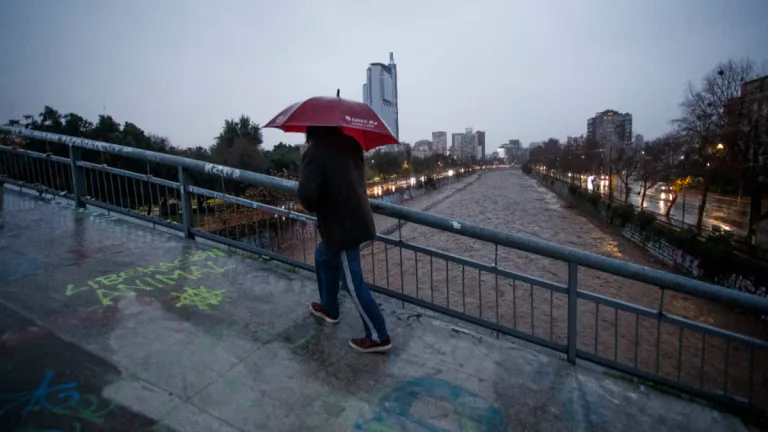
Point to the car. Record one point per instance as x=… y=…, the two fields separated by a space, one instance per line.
x=662 y=187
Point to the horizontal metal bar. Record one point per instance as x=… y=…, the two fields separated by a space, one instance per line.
x=38 y=155
x=618 y=304
x=524 y=243
x=720 y=398
x=282 y=185
x=131 y=174
x=706 y=328
x=253 y=204
x=254 y=250
x=133 y=214
x=586 y=259
x=674 y=319
x=36 y=187
x=467 y=318
x=474 y=264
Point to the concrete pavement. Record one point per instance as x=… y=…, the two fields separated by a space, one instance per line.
x=111 y=325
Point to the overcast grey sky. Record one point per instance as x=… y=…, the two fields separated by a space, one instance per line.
x=516 y=69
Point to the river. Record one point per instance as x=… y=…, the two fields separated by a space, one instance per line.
x=510 y=201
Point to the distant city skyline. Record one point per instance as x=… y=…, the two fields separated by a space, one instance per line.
x=179 y=69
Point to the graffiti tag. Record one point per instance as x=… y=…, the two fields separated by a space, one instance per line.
x=69 y=401
x=395 y=412
x=129 y=282
x=223 y=171
x=201 y=297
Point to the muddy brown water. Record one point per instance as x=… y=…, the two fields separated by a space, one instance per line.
x=510 y=201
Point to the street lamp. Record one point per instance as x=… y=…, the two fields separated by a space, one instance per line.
x=720 y=146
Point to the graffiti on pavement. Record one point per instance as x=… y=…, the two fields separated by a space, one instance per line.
x=396 y=408
x=201 y=297
x=69 y=402
x=161 y=275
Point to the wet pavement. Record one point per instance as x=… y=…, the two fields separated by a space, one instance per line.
x=112 y=325
x=54 y=385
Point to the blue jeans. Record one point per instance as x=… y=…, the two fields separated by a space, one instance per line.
x=345 y=268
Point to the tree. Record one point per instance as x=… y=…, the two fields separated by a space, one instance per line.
x=50 y=120
x=106 y=129
x=627 y=162
x=611 y=162
x=649 y=167
x=677 y=186
x=75 y=125
x=239 y=145
x=744 y=136
x=284 y=158
x=707 y=116
x=244 y=130
x=386 y=163
x=242 y=154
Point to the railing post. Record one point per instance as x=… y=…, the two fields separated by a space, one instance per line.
x=78 y=176
x=573 y=286
x=186 y=204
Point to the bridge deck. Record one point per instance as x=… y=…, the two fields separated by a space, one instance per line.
x=106 y=324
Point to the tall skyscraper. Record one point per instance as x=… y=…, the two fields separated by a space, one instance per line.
x=380 y=93
x=468 y=145
x=440 y=141
x=456 y=141
x=480 y=145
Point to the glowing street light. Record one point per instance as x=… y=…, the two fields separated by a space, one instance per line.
x=720 y=146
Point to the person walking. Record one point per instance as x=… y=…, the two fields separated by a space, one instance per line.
x=332 y=185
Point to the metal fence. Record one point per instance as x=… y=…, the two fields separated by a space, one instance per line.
x=693 y=336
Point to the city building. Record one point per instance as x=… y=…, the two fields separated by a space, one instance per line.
x=639 y=140
x=467 y=149
x=480 y=145
x=456 y=140
x=380 y=93
x=440 y=141
x=423 y=149
x=468 y=145
x=756 y=92
x=753 y=99
x=610 y=128
x=512 y=150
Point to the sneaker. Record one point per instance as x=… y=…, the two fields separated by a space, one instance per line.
x=366 y=345
x=319 y=311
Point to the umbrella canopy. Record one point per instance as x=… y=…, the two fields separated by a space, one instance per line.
x=355 y=119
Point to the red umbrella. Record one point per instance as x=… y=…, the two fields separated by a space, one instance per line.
x=355 y=119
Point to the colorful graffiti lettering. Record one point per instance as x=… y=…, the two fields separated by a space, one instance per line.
x=128 y=283
x=71 y=402
x=201 y=297
x=395 y=412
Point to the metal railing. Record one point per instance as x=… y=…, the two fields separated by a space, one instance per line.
x=697 y=337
